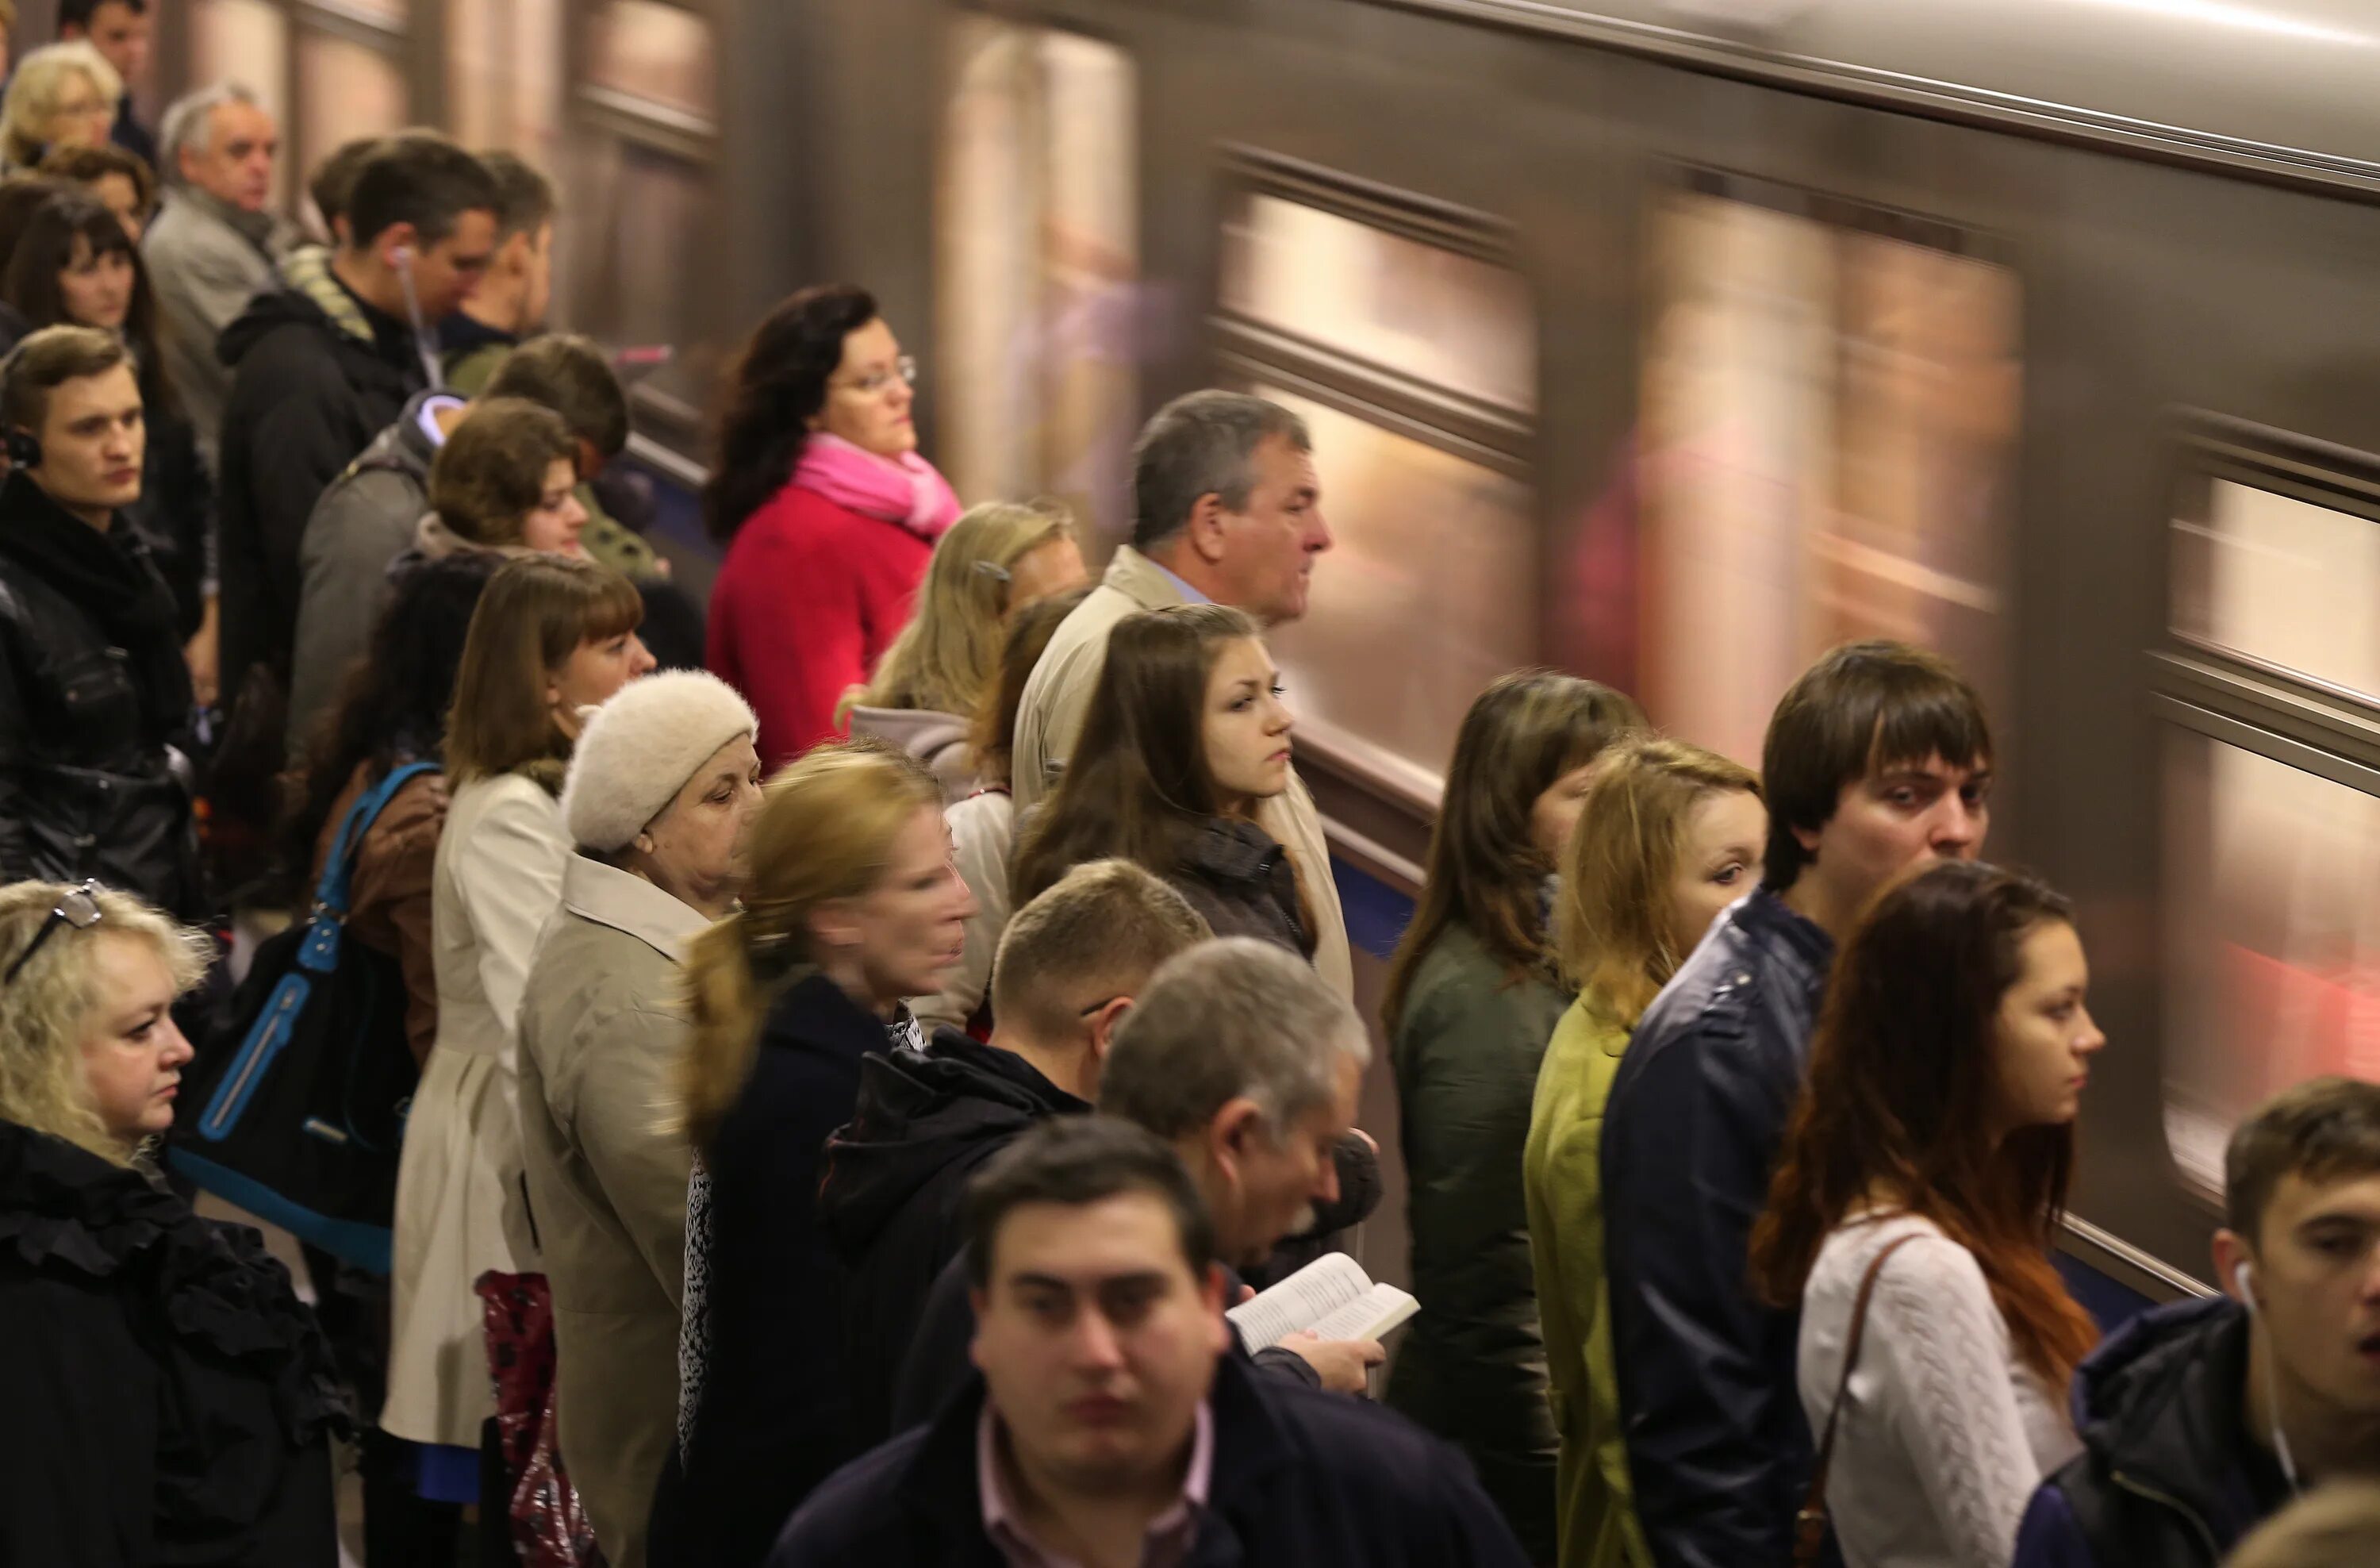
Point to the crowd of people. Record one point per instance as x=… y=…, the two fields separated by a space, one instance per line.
x=852 y=1053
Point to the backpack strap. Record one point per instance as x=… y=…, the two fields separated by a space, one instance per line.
x=1810 y=1524
x=331 y=896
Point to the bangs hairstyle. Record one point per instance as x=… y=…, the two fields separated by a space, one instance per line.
x=1615 y=893
x=1904 y=1077
x=2321 y=1130
x=41 y=82
x=86 y=166
x=992 y=736
x=42 y=1011
x=535 y=613
x=1864 y=708
x=71 y=229
x=946 y=655
x=824 y=831
x=1524 y=734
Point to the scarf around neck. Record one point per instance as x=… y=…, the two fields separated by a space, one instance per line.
x=904 y=490
x=109 y=577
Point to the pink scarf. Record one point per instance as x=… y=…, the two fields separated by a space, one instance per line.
x=904 y=490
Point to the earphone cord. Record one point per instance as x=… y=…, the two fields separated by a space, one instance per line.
x=420 y=331
x=2272 y=1390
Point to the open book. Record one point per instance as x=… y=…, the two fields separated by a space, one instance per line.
x=1332 y=1298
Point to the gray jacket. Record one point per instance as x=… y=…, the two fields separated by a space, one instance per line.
x=205 y=258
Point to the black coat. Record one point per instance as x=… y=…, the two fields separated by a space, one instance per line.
x=308 y=394
x=1717 y=1446
x=1244 y=883
x=764 y=1298
x=2167 y=1473
x=87 y=786
x=167 y=1397
x=1300 y=1478
x=896 y=1178
x=176 y=510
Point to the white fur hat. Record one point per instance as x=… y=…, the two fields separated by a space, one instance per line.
x=638 y=750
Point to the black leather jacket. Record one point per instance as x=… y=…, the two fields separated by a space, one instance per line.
x=1717 y=1446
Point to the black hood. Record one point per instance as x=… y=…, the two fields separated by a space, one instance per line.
x=2162 y=1404
x=919 y=1114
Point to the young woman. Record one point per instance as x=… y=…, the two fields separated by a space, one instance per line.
x=826 y=509
x=551 y=636
x=983 y=826
x=1932 y=1147
x=1185 y=735
x=507 y=478
x=996 y=560
x=852 y=905
x=168 y=1396
x=1472 y=995
x=124 y=185
x=1668 y=836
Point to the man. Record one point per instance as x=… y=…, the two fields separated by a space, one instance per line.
x=1226 y=510
x=92 y=686
x=1070 y=965
x=2200 y=1419
x=1108 y=1426
x=370 y=513
x=214 y=245
x=119 y=30
x=318 y=371
x=1877 y=760
x=332 y=186
x=1241 y=1058
x=511 y=301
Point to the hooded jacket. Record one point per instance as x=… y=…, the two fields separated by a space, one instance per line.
x=937 y=739
x=315 y=377
x=2167 y=1473
x=1244 y=883
x=895 y=1177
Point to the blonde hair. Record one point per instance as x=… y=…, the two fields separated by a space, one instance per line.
x=1631 y=828
x=950 y=651
x=824 y=831
x=34 y=92
x=42 y=1011
x=535 y=613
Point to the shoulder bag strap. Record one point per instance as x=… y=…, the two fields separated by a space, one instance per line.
x=339 y=868
x=1810 y=1524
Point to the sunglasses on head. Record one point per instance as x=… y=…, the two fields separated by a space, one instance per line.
x=80 y=908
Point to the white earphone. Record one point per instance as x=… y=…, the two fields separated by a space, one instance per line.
x=2243 y=1276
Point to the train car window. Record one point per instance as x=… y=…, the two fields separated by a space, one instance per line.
x=2281 y=581
x=1040 y=312
x=653 y=53
x=1829 y=406
x=1452 y=320
x=246 y=42
x=345 y=90
x=504 y=76
x=641 y=245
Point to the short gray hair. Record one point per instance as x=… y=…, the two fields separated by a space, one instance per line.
x=1230 y=1019
x=186 y=119
x=1204 y=443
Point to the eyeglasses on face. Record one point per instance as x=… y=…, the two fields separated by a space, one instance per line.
x=80 y=908
x=904 y=369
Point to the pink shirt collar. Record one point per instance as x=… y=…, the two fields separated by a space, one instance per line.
x=1170 y=1533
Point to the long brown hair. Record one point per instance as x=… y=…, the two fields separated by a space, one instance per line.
x=534 y=613
x=1613 y=917
x=1905 y=1076
x=1522 y=735
x=992 y=736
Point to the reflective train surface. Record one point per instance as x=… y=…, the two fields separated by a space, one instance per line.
x=1666 y=341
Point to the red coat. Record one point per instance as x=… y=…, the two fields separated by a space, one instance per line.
x=808 y=598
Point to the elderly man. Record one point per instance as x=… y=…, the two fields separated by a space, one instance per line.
x=215 y=243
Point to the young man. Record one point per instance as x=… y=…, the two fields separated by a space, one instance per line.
x=1070 y=965
x=1108 y=1426
x=92 y=686
x=1227 y=511
x=319 y=369
x=1247 y=1064
x=2200 y=1419
x=119 y=30
x=511 y=301
x=1877 y=760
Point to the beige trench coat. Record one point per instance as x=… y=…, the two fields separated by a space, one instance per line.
x=1058 y=698
x=601 y=1027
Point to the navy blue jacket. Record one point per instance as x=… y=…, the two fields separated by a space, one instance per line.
x=2167 y=1473
x=1300 y=1478
x=1717 y=1446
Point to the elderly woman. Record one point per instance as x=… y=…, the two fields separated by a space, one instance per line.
x=662 y=791
x=167 y=1397
x=63 y=95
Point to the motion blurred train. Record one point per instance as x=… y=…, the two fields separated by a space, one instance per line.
x=1666 y=341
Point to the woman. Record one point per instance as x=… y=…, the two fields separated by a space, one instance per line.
x=63 y=95
x=826 y=509
x=1931 y=1152
x=662 y=791
x=551 y=636
x=1186 y=736
x=1668 y=836
x=74 y=264
x=851 y=905
x=168 y=1398
x=121 y=181
x=507 y=478
x=1473 y=996
x=983 y=826
x=996 y=560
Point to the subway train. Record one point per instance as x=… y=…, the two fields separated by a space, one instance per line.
x=1665 y=341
